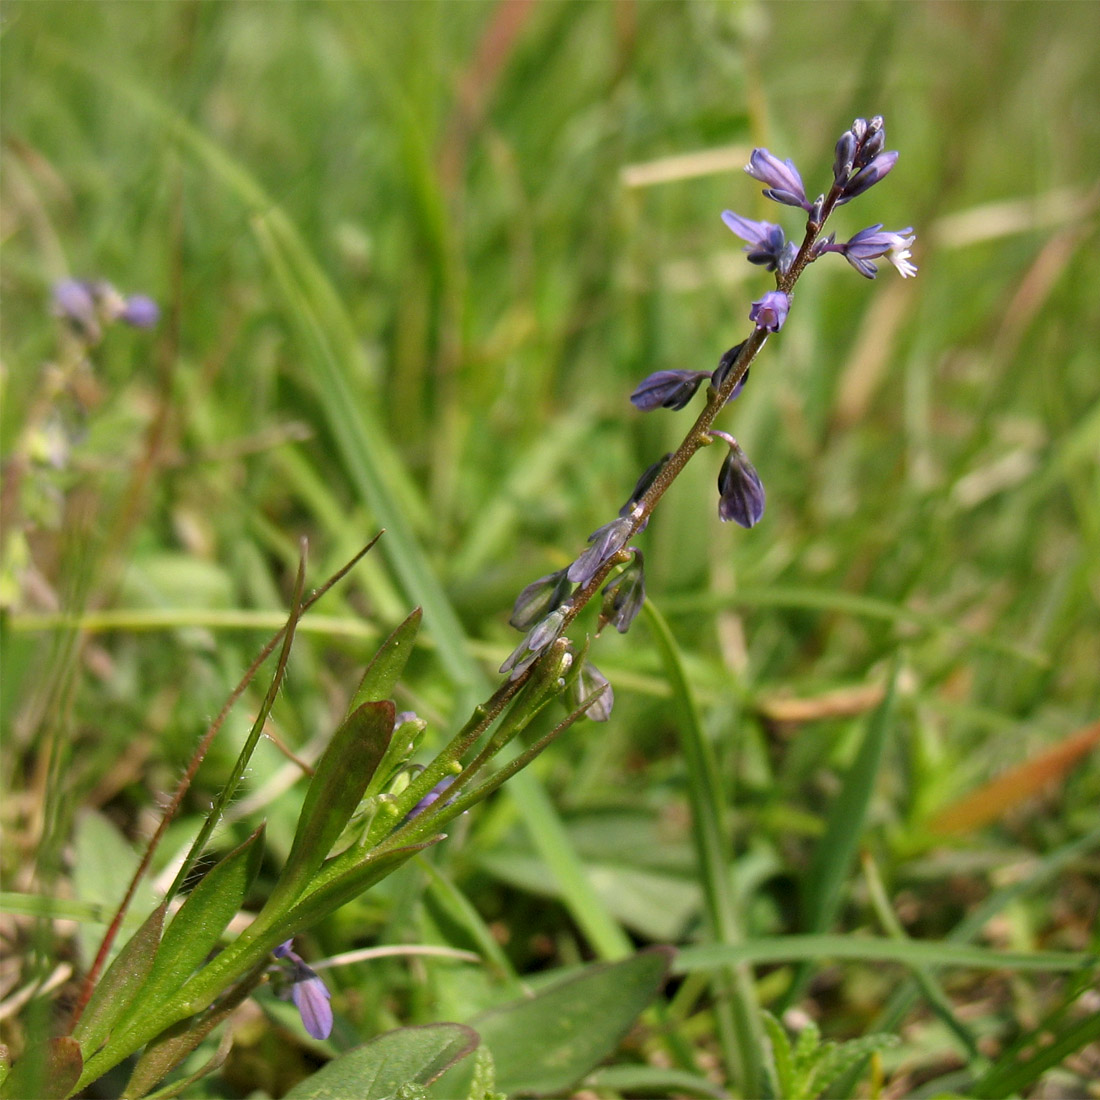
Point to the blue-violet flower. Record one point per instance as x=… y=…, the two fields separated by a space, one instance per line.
x=784 y=184
x=765 y=243
x=771 y=311
x=309 y=993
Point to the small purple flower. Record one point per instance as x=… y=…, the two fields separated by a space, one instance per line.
x=605 y=543
x=870 y=243
x=623 y=597
x=140 y=311
x=586 y=683
x=741 y=492
x=765 y=243
x=784 y=184
x=539 y=598
x=667 y=389
x=771 y=311
x=309 y=993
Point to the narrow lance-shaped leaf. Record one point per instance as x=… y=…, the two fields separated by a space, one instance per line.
x=382 y=674
x=115 y=991
x=198 y=926
x=46 y=1071
x=335 y=791
x=170 y=1048
x=340 y=888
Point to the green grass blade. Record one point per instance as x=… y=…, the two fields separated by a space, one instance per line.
x=737 y=1009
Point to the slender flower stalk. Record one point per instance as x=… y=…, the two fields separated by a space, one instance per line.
x=860 y=161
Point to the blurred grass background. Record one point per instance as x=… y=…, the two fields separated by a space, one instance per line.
x=413 y=257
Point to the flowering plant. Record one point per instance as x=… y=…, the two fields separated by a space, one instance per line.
x=370 y=807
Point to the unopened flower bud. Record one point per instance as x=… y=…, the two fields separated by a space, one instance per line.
x=781 y=176
x=539 y=598
x=667 y=389
x=584 y=685
x=623 y=597
x=605 y=543
x=741 y=493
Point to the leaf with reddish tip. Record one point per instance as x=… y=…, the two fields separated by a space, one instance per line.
x=47 y=1071
x=114 y=993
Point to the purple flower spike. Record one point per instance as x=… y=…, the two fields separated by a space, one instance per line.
x=140 y=311
x=741 y=493
x=771 y=311
x=667 y=389
x=868 y=176
x=309 y=993
x=766 y=244
x=784 y=184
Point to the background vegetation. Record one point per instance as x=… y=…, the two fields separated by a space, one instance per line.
x=412 y=259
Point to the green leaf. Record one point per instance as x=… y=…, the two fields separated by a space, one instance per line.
x=837 y=849
x=376 y=1070
x=198 y=926
x=382 y=674
x=635 y=1080
x=782 y=1062
x=46 y=1070
x=102 y=865
x=345 y=885
x=773 y=949
x=337 y=787
x=115 y=992
x=547 y=1043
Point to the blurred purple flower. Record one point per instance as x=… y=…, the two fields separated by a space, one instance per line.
x=771 y=311
x=649 y=476
x=309 y=993
x=140 y=311
x=667 y=389
x=784 y=184
x=74 y=301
